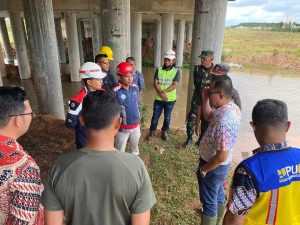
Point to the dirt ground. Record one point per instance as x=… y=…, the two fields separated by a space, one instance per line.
x=46 y=139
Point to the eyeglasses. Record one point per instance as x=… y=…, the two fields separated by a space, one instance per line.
x=24 y=114
x=212 y=92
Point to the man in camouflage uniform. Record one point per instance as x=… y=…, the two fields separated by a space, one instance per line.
x=201 y=79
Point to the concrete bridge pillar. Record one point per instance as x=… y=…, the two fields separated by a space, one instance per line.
x=80 y=39
x=167 y=33
x=6 y=43
x=157 y=43
x=2 y=66
x=180 y=43
x=116 y=33
x=207 y=14
x=189 y=32
x=45 y=67
x=96 y=34
x=60 y=41
x=20 y=45
x=73 y=47
x=136 y=39
x=26 y=39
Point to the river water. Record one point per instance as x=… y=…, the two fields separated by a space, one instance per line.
x=252 y=85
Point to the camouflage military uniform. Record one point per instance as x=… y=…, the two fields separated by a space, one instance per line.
x=201 y=79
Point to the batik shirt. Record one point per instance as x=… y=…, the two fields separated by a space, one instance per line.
x=221 y=133
x=20 y=186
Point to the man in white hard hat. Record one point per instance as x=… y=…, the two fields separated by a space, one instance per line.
x=166 y=79
x=91 y=76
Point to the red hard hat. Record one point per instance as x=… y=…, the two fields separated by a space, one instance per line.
x=125 y=68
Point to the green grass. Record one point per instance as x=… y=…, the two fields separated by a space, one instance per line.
x=255 y=48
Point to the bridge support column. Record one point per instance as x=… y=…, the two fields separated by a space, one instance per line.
x=96 y=34
x=73 y=48
x=80 y=39
x=180 y=43
x=6 y=43
x=157 y=43
x=45 y=67
x=116 y=34
x=2 y=66
x=20 y=44
x=60 y=41
x=189 y=32
x=212 y=14
x=136 y=39
x=167 y=33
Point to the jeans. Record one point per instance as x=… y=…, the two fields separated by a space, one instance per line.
x=211 y=188
x=158 y=107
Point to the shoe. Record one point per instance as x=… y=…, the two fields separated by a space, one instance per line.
x=188 y=142
x=150 y=135
x=206 y=220
x=221 y=210
x=164 y=135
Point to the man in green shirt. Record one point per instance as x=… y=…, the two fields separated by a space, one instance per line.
x=99 y=184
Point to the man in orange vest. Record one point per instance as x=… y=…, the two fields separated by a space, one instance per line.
x=266 y=187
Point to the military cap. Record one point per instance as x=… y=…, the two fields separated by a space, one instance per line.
x=220 y=69
x=206 y=53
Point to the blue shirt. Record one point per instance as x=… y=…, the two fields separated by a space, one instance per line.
x=128 y=99
x=138 y=79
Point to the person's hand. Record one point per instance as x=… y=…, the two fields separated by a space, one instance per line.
x=202 y=173
x=163 y=96
x=197 y=130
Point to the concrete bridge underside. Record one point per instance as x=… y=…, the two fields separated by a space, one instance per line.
x=37 y=31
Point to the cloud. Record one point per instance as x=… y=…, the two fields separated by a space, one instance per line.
x=245 y=3
x=272 y=11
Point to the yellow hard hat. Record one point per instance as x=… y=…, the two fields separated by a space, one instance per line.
x=107 y=51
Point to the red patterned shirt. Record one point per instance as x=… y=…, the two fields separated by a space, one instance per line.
x=20 y=186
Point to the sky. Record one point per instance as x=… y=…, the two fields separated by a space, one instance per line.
x=273 y=11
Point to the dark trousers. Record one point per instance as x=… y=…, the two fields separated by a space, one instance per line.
x=158 y=107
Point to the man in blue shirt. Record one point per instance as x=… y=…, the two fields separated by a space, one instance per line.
x=138 y=77
x=127 y=94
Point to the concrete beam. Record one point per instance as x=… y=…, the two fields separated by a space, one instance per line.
x=73 y=47
x=20 y=44
x=189 y=32
x=45 y=67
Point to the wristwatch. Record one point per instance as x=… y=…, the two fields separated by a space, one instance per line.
x=202 y=173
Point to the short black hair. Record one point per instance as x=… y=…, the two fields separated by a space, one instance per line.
x=99 y=109
x=270 y=113
x=224 y=84
x=11 y=103
x=99 y=57
x=130 y=59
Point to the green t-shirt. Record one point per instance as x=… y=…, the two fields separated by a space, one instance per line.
x=99 y=187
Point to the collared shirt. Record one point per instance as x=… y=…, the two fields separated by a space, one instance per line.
x=128 y=99
x=222 y=132
x=138 y=79
x=244 y=192
x=20 y=185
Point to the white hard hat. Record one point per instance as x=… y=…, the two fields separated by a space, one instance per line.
x=91 y=70
x=170 y=54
